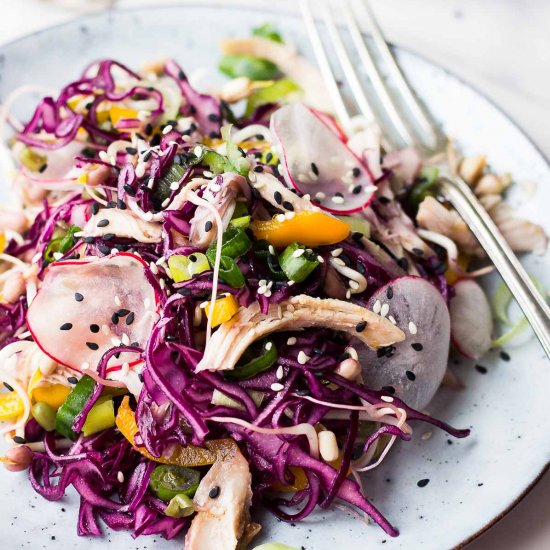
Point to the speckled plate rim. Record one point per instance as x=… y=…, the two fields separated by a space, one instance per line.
x=246 y=4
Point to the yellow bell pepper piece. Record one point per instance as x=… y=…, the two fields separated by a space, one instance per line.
x=117 y=113
x=224 y=309
x=83 y=178
x=308 y=228
x=11 y=406
x=451 y=276
x=189 y=455
x=2 y=242
x=52 y=394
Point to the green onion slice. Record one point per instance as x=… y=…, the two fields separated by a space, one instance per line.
x=167 y=481
x=298 y=265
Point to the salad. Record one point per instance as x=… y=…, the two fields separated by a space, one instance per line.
x=212 y=303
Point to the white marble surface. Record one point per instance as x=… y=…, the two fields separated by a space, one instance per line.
x=500 y=46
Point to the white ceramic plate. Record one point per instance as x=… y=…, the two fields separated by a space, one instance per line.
x=474 y=481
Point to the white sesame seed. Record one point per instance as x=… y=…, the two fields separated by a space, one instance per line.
x=208 y=174
x=167 y=129
x=271 y=249
x=348 y=294
x=153 y=267
x=320 y=195
x=125 y=340
x=174 y=185
x=387 y=399
x=202 y=305
x=162 y=284
x=57 y=255
x=268 y=346
x=384 y=310
x=352 y=353
x=116 y=342
x=165 y=202
x=320 y=259
x=105 y=329
x=117 y=301
x=337 y=200
x=290 y=283
x=312 y=175
x=267 y=293
x=150 y=183
x=297 y=253
x=302 y=178
x=280 y=372
x=412 y=328
x=261 y=290
x=280 y=217
x=120 y=477
x=270 y=284
x=197 y=151
x=277 y=386
x=186 y=138
x=85 y=366
x=303 y=358
x=426 y=435
x=262 y=282
x=161 y=260
x=336 y=252
x=140 y=170
x=291 y=341
x=392 y=320
x=377 y=306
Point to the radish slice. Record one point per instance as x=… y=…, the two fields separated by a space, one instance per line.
x=72 y=318
x=317 y=162
x=415 y=367
x=471 y=319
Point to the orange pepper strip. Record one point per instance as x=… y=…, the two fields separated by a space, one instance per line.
x=308 y=228
x=188 y=455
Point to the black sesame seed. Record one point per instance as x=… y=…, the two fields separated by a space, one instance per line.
x=357 y=189
x=111 y=204
x=93 y=346
x=122 y=312
x=389 y=389
x=72 y=380
x=356 y=172
x=104 y=249
x=103 y=223
x=131 y=150
x=88 y=152
x=361 y=326
x=504 y=356
x=440 y=268
x=260 y=137
x=8 y=387
x=423 y=482
x=278 y=197
x=192 y=258
x=130 y=318
x=94 y=328
x=114 y=319
x=344 y=356
x=403 y=263
x=389 y=293
x=147 y=156
x=214 y=492
x=89 y=240
x=140 y=376
x=66 y=326
x=130 y=190
x=417 y=346
x=108 y=236
x=155 y=140
x=78 y=297
x=95 y=208
x=148 y=129
x=410 y=375
x=360 y=268
x=184 y=291
x=214 y=117
x=418 y=251
x=258 y=168
x=269 y=157
x=338 y=194
x=42 y=169
x=19 y=440
x=208 y=226
x=481 y=369
x=314 y=169
x=288 y=206
x=121 y=204
x=181 y=76
x=213 y=135
x=357 y=236
x=383 y=200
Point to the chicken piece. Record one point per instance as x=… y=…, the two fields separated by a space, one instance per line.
x=404 y=163
x=233 y=337
x=224 y=200
x=296 y=67
x=471 y=168
x=223 y=501
x=269 y=186
x=122 y=224
x=434 y=216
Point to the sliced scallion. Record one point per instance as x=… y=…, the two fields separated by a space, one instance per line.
x=296 y=265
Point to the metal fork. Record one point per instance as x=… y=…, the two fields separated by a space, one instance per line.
x=413 y=126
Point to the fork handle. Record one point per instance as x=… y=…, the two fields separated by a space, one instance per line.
x=521 y=286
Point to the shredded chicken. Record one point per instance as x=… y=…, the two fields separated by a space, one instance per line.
x=233 y=337
x=405 y=164
x=122 y=224
x=289 y=62
x=223 y=501
x=269 y=186
x=224 y=200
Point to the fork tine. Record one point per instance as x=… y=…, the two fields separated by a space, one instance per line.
x=324 y=65
x=345 y=62
x=428 y=129
x=376 y=78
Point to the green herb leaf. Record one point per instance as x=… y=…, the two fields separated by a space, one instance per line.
x=252 y=67
x=268 y=30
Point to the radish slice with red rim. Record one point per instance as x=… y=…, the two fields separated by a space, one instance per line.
x=317 y=162
x=83 y=308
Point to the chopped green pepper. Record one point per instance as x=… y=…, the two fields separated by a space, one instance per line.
x=100 y=417
x=424 y=186
x=263 y=250
x=268 y=356
x=75 y=402
x=180 y=506
x=230 y=272
x=249 y=66
x=61 y=244
x=242 y=223
x=298 y=262
x=168 y=481
x=235 y=243
x=274 y=93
